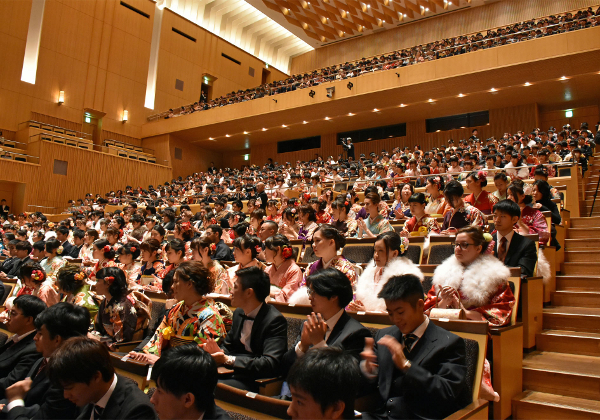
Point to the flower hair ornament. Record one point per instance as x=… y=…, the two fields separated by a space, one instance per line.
x=491 y=244
x=106 y=248
x=79 y=276
x=133 y=249
x=51 y=225
x=213 y=221
x=213 y=247
x=293 y=211
x=346 y=203
x=403 y=244
x=38 y=275
x=185 y=226
x=59 y=250
x=258 y=249
x=287 y=252
x=109 y=279
x=159 y=251
x=120 y=233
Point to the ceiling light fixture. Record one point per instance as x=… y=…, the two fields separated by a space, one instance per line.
x=245 y=132
x=264 y=129
x=527 y=84
x=375 y=110
x=493 y=90
x=210 y=138
x=460 y=95
x=227 y=135
x=350 y=114
x=304 y=122
x=402 y=105
x=327 y=118
x=564 y=78
x=430 y=100
x=283 y=126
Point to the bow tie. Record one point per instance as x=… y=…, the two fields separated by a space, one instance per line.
x=247 y=318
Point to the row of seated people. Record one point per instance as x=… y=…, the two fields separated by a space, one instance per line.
x=519 y=32
x=256 y=343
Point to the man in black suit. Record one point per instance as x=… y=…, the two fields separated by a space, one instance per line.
x=82 y=368
x=257 y=341
x=22 y=251
x=186 y=377
x=329 y=325
x=35 y=396
x=261 y=196
x=11 y=259
x=511 y=248
x=222 y=253
x=62 y=236
x=4 y=209
x=19 y=354
x=78 y=236
x=349 y=147
x=420 y=368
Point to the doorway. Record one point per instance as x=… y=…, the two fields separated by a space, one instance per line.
x=266 y=77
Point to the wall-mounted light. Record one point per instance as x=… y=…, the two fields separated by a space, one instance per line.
x=125 y=115
x=569 y=113
x=61 y=97
x=246 y=157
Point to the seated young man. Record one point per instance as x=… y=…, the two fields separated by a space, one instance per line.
x=35 y=396
x=257 y=341
x=324 y=384
x=329 y=325
x=82 y=368
x=19 y=353
x=22 y=251
x=420 y=368
x=513 y=249
x=186 y=377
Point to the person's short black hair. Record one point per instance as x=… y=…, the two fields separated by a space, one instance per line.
x=188 y=368
x=509 y=207
x=63 y=230
x=255 y=279
x=406 y=287
x=78 y=360
x=64 y=319
x=216 y=228
x=24 y=246
x=331 y=282
x=454 y=189
x=30 y=305
x=78 y=233
x=328 y=375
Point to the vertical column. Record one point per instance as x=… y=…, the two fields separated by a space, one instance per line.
x=153 y=63
x=32 y=47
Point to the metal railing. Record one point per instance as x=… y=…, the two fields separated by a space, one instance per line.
x=56 y=129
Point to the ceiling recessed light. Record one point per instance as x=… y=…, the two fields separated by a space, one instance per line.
x=210 y=138
x=283 y=125
x=245 y=132
x=304 y=122
x=527 y=84
x=264 y=129
x=327 y=118
x=430 y=100
x=493 y=90
x=405 y=15
x=227 y=135
x=350 y=114
x=402 y=105
x=460 y=95
x=375 y=110
x=427 y=9
x=564 y=78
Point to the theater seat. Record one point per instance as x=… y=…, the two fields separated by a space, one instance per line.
x=309 y=256
x=358 y=253
x=439 y=253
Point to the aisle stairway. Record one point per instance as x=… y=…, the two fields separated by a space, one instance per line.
x=562 y=377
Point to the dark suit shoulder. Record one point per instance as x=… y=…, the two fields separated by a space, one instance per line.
x=393 y=330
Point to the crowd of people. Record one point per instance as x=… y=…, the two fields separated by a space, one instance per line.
x=519 y=32
x=66 y=316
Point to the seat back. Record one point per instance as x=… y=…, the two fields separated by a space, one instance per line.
x=358 y=253
x=309 y=256
x=250 y=404
x=131 y=369
x=439 y=252
x=294 y=329
x=514 y=282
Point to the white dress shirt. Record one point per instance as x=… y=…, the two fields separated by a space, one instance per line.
x=104 y=400
x=508 y=239
x=247 y=328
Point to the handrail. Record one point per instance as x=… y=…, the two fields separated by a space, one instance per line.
x=85 y=135
x=416 y=53
x=144 y=149
x=595 y=194
x=75 y=139
x=4 y=140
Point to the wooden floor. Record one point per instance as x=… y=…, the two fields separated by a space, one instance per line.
x=561 y=378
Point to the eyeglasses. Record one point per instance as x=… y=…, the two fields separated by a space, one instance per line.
x=462 y=245
x=310 y=291
x=12 y=313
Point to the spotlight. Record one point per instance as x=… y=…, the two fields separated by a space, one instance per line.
x=349 y=85
x=330 y=92
x=311 y=93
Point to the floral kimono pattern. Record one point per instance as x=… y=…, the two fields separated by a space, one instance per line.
x=437 y=206
x=99 y=266
x=536 y=222
x=156 y=269
x=466 y=215
x=198 y=322
x=484 y=201
x=339 y=263
x=379 y=225
x=323 y=217
x=119 y=319
x=425 y=224
x=83 y=297
x=51 y=266
x=285 y=279
x=221 y=278
x=306 y=233
x=47 y=292
x=347 y=227
x=132 y=272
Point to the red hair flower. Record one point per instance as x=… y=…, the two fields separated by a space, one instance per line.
x=106 y=248
x=258 y=249
x=186 y=226
x=38 y=275
x=109 y=279
x=213 y=221
x=120 y=232
x=346 y=203
x=133 y=249
x=79 y=276
x=213 y=247
x=287 y=252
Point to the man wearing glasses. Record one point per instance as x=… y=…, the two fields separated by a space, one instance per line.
x=18 y=354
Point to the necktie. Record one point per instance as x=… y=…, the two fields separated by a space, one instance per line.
x=246 y=318
x=409 y=341
x=502 y=249
x=97 y=412
x=42 y=366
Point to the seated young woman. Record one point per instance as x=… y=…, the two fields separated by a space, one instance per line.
x=128 y=255
x=288 y=225
x=437 y=202
x=202 y=249
x=462 y=214
x=120 y=315
x=36 y=282
x=284 y=273
x=340 y=207
x=501 y=181
x=54 y=260
x=87 y=250
x=320 y=207
x=400 y=207
x=113 y=236
x=185 y=233
x=152 y=265
x=375 y=223
x=420 y=221
x=532 y=220
x=479 y=198
x=387 y=261
x=175 y=255
x=104 y=255
x=194 y=319
x=72 y=284
x=273 y=211
x=327 y=245
x=308 y=220
x=474 y=280
x=245 y=250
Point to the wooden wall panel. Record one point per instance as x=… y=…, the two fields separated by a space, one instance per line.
x=120 y=137
x=194 y=158
x=557 y=119
x=160 y=145
x=408 y=35
x=511 y=120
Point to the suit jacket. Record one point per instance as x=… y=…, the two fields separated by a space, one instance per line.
x=7 y=264
x=44 y=400
x=16 y=361
x=216 y=413
x=521 y=253
x=68 y=249
x=16 y=268
x=268 y=341
x=434 y=386
x=126 y=402
x=348 y=334
x=222 y=253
